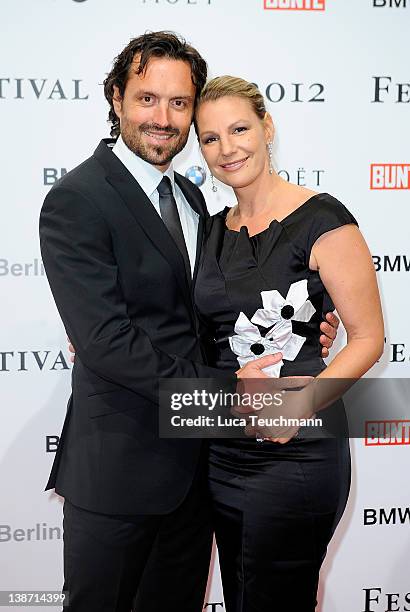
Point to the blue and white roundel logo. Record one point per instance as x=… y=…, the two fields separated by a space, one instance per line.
x=196 y=175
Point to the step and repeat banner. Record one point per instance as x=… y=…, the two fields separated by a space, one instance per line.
x=336 y=77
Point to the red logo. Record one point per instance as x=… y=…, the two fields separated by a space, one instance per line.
x=390 y=176
x=387 y=433
x=294 y=5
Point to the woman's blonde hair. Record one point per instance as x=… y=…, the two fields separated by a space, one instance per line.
x=226 y=85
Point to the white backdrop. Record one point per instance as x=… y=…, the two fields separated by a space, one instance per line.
x=339 y=86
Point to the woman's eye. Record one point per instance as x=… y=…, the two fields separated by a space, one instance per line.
x=209 y=140
x=240 y=129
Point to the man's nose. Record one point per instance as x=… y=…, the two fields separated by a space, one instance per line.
x=161 y=114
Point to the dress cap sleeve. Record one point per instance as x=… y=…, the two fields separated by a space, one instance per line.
x=329 y=214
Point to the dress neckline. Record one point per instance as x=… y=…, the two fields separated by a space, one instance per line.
x=244 y=228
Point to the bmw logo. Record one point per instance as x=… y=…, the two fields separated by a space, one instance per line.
x=196 y=175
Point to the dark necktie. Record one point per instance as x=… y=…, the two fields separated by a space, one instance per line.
x=170 y=216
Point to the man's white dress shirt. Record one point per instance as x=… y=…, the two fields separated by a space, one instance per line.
x=149 y=178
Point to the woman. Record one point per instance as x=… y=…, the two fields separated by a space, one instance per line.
x=271 y=265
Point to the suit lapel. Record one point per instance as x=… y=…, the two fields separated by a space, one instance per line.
x=143 y=212
x=192 y=197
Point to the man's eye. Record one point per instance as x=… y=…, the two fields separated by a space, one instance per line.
x=147 y=99
x=180 y=103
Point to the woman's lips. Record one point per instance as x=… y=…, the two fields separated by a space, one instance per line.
x=232 y=166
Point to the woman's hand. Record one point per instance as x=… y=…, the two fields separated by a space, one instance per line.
x=274 y=421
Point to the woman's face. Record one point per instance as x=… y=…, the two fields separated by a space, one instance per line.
x=233 y=140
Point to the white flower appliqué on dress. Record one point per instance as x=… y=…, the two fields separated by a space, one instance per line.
x=249 y=344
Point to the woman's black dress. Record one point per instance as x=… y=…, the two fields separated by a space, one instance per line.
x=275 y=506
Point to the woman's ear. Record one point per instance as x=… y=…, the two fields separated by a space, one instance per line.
x=269 y=127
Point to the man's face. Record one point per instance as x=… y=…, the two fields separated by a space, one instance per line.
x=156 y=110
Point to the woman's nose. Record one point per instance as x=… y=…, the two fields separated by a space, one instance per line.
x=227 y=146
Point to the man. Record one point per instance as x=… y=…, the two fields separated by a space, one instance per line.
x=120 y=239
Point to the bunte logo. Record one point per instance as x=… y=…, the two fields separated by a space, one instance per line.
x=390 y=176
x=295 y=5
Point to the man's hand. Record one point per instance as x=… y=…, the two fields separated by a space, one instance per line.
x=329 y=329
x=254 y=368
x=71 y=349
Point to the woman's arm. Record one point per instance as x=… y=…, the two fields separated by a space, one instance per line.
x=343 y=260
x=345 y=266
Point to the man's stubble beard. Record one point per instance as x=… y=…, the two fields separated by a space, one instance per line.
x=155 y=155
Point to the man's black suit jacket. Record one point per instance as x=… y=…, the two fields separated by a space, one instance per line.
x=120 y=286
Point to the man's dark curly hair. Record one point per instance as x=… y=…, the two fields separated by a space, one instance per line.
x=151 y=44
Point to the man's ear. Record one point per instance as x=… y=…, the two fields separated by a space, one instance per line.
x=117 y=102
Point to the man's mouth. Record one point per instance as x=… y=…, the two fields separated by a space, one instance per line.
x=159 y=136
x=235 y=165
